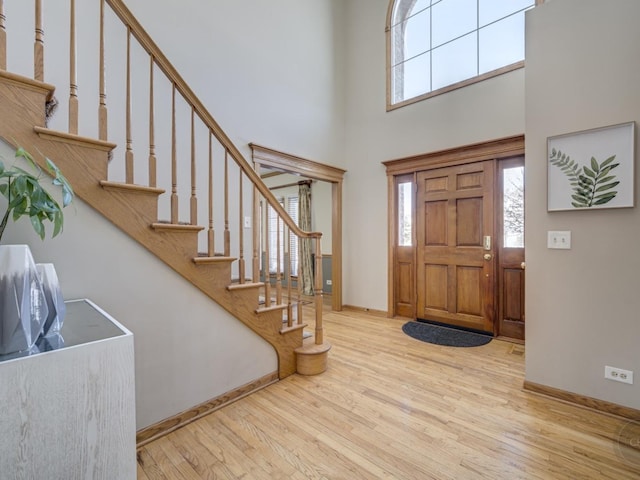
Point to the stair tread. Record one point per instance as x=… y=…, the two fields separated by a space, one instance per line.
x=131 y=187
x=33 y=84
x=271 y=308
x=246 y=285
x=73 y=138
x=293 y=328
x=185 y=227
x=216 y=259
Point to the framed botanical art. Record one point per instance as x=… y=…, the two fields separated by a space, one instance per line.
x=591 y=169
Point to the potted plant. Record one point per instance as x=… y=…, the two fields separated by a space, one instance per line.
x=25 y=306
x=26 y=196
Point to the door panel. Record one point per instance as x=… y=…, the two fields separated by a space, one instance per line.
x=511 y=248
x=404 y=267
x=436 y=287
x=469 y=222
x=436 y=227
x=405 y=282
x=455 y=283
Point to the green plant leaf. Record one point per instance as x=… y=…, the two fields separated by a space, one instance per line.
x=607 y=186
x=605 y=199
x=586 y=180
x=594 y=165
x=22 y=153
x=605 y=194
x=607 y=161
x=58 y=221
x=38 y=226
x=606 y=179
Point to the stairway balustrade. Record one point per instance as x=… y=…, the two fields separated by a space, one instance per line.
x=184 y=142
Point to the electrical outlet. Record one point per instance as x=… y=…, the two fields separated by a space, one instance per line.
x=247 y=222
x=329 y=282
x=618 y=374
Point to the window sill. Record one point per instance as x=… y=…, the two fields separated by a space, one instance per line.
x=455 y=86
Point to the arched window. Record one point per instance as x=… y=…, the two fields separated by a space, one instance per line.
x=438 y=45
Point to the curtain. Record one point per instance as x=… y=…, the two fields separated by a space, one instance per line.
x=304 y=222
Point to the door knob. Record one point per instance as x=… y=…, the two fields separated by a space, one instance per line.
x=522 y=265
x=488 y=256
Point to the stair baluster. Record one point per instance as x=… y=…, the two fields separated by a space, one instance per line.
x=102 y=108
x=129 y=146
x=241 y=262
x=193 y=204
x=3 y=38
x=289 y=278
x=299 y=286
x=279 y=253
x=153 y=178
x=211 y=237
x=73 y=81
x=256 y=235
x=38 y=46
x=267 y=255
x=174 y=159
x=227 y=233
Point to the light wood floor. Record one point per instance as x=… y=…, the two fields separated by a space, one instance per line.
x=396 y=408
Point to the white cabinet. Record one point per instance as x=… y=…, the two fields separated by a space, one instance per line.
x=69 y=413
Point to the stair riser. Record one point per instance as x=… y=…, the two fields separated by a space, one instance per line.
x=146 y=206
x=24 y=102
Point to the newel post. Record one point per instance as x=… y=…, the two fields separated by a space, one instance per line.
x=318 y=295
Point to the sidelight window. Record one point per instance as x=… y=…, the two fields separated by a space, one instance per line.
x=513 y=207
x=405 y=214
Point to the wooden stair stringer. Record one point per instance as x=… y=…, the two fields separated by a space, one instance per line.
x=84 y=163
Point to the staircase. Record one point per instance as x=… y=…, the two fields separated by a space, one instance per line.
x=151 y=214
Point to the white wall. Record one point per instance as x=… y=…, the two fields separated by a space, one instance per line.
x=582 y=304
x=321 y=212
x=485 y=111
x=268 y=71
x=187 y=348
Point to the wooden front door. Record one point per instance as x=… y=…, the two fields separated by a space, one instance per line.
x=455 y=276
x=511 y=248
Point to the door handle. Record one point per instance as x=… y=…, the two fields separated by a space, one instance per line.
x=522 y=265
x=488 y=256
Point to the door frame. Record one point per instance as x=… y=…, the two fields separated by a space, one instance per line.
x=264 y=156
x=491 y=150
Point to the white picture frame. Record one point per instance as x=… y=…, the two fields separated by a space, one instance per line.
x=591 y=169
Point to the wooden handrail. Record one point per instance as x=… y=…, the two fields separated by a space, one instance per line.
x=180 y=84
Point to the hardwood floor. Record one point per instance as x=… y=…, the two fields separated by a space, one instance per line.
x=392 y=407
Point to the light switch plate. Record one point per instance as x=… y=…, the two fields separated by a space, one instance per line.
x=559 y=239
